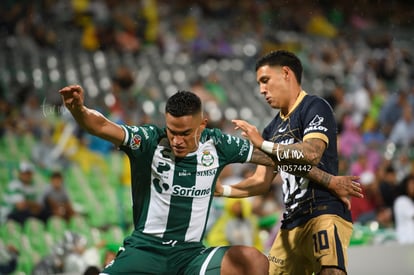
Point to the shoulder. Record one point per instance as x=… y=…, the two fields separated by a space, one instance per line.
x=222 y=140
x=316 y=107
x=213 y=134
x=145 y=128
x=316 y=101
x=146 y=131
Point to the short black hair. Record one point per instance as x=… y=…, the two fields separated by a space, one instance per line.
x=183 y=103
x=92 y=270
x=282 y=58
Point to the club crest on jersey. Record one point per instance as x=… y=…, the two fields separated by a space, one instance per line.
x=135 y=142
x=207 y=159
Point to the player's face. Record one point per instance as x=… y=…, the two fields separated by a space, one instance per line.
x=184 y=133
x=273 y=85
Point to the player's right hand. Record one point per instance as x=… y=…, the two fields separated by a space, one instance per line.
x=248 y=131
x=73 y=97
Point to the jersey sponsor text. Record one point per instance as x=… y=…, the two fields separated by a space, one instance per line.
x=190 y=192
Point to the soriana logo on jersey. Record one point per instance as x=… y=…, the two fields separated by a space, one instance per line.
x=207 y=158
x=135 y=142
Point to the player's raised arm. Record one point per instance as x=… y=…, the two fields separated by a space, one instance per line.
x=90 y=120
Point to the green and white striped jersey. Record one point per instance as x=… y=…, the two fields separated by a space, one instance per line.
x=172 y=196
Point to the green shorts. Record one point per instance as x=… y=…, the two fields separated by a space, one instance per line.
x=145 y=254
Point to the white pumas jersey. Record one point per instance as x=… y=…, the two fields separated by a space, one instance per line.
x=172 y=196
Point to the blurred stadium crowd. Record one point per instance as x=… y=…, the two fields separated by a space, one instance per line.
x=130 y=55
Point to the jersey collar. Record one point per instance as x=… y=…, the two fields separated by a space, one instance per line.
x=302 y=94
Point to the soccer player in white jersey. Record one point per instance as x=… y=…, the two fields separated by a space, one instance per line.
x=174 y=171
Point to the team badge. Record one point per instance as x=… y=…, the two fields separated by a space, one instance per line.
x=207 y=159
x=135 y=142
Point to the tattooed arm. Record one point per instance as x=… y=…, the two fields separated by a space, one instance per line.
x=342 y=186
x=309 y=151
x=260 y=181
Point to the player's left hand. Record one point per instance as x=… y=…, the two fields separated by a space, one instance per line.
x=248 y=131
x=345 y=187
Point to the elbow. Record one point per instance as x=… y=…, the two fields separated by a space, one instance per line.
x=314 y=161
x=314 y=158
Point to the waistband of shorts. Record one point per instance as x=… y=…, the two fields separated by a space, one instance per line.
x=163 y=241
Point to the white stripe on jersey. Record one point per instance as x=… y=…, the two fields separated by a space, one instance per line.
x=200 y=205
x=159 y=205
x=126 y=138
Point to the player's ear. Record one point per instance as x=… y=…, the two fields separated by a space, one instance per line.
x=286 y=71
x=203 y=124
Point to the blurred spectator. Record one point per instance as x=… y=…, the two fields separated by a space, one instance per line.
x=214 y=87
x=391 y=111
x=269 y=207
x=199 y=88
x=98 y=145
x=229 y=175
x=402 y=133
x=22 y=198
x=46 y=155
x=70 y=255
x=79 y=255
x=56 y=198
x=350 y=139
x=364 y=209
x=362 y=165
x=236 y=226
x=5 y=116
x=373 y=137
x=404 y=211
x=318 y=24
x=125 y=107
x=361 y=102
x=339 y=104
x=402 y=164
x=388 y=185
x=387 y=192
x=32 y=112
x=8 y=258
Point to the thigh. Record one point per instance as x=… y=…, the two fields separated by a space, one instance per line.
x=286 y=255
x=328 y=238
x=208 y=261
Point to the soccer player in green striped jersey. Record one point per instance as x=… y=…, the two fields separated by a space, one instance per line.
x=174 y=172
